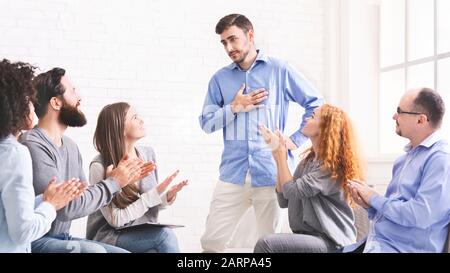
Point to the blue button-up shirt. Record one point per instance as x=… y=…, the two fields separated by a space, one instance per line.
x=413 y=216
x=244 y=147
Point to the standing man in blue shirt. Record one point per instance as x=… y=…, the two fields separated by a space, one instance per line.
x=414 y=214
x=255 y=89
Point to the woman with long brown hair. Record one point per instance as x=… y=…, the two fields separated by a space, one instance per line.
x=118 y=130
x=317 y=195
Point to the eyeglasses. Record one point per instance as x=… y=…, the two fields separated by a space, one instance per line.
x=400 y=111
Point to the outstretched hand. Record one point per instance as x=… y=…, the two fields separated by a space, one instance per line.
x=172 y=192
x=163 y=185
x=276 y=141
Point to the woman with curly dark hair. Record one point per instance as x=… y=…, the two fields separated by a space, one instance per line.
x=24 y=217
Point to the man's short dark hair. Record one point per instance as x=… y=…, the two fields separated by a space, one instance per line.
x=238 y=20
x=16 y=92
x=48 y=85
x=430 y=102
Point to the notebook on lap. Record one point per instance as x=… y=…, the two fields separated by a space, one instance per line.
x=149 y=224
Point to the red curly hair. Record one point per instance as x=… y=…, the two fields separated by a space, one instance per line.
x=338 y=149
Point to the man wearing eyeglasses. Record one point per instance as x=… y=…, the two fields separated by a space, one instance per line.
x=413 y=216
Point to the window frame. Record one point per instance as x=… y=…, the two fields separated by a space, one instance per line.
x=435 y=59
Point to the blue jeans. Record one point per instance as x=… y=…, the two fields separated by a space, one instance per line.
x=64 y=243
x=148 y=239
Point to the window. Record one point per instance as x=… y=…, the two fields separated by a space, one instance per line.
x=414 y=52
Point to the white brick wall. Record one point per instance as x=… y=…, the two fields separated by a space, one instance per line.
x=159 y=56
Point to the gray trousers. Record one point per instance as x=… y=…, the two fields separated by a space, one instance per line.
x=293 y=243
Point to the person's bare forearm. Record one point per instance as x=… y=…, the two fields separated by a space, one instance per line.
x=278 y=185
x=284 y=174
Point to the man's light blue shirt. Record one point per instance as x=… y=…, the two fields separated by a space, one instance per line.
x=244 y=147
x=413 y=216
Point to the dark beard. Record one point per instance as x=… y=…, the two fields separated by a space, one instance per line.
x=241 y=60
x=71 y=117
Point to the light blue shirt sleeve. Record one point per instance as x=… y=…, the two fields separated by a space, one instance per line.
x=28 y=218
x=300 y=90
x=215 y=115
x=371 y=212
x=433 y=193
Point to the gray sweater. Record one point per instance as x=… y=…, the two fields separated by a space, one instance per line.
x=316 y=205
x=64 y=163
x=98 y=228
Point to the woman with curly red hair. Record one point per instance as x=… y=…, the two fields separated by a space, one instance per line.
x=317 y=195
